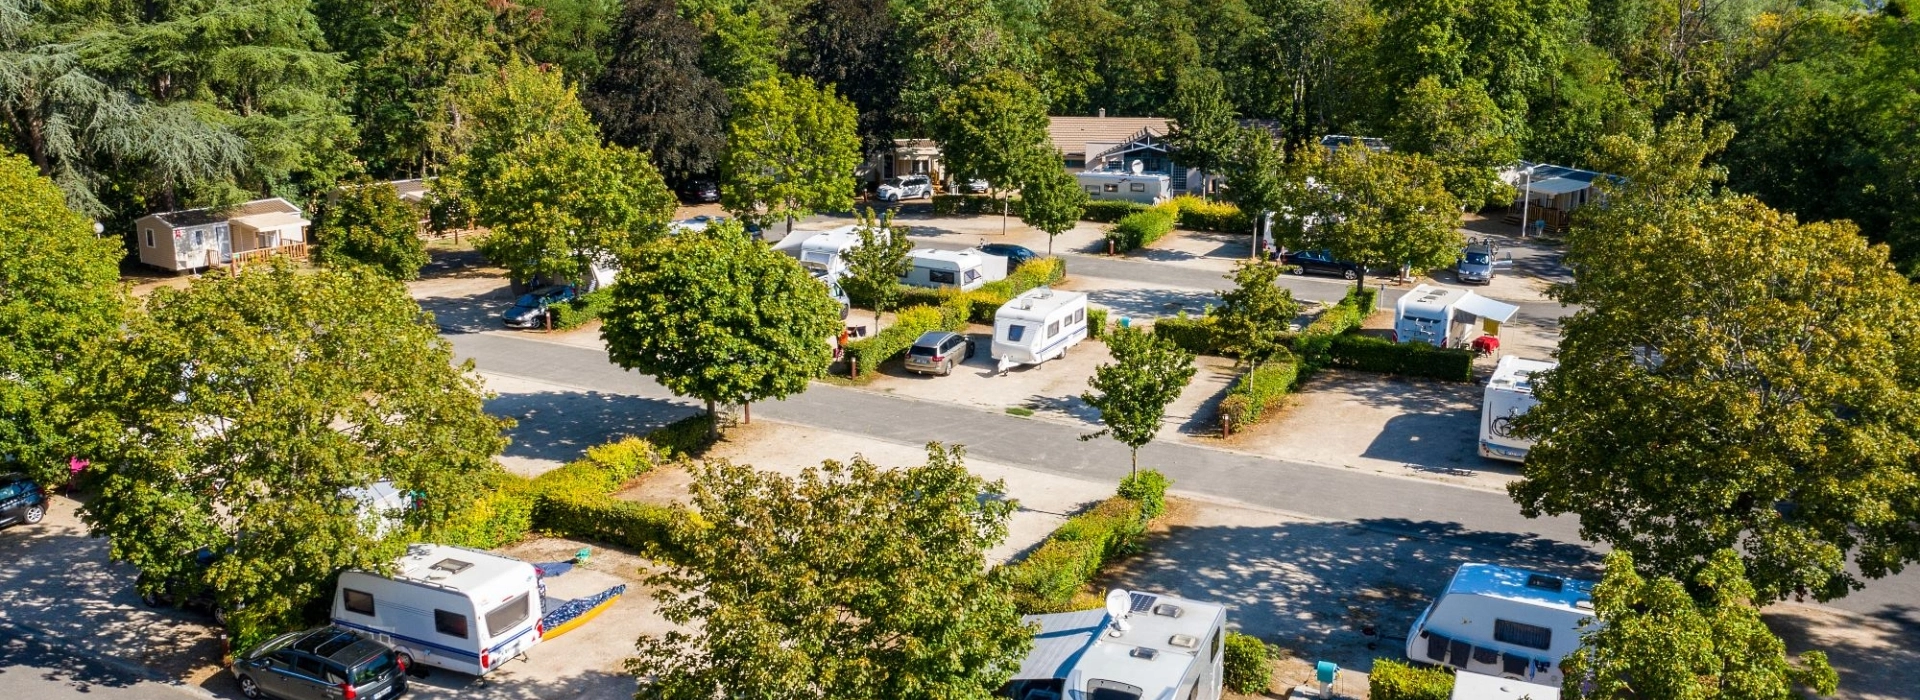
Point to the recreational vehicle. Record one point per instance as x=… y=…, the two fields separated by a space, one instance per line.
x=1446 y=317
x=1144 y=188
x=965 y=270
x=1509 y=394
x=1037 y=326
x=449 y=607
x=1468 y=685
x=822 y=252
x=1504 y=622
x=1141 y=646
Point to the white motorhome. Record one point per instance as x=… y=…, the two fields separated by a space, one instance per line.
x=449 y=607
x=1509 y=394
x=1142 y=646
x=1445 y=317
x=965 y=270
x=1144 y=188
x=1468 y=685
x=1037 y=326
x=1504 y=622
x=822 y=252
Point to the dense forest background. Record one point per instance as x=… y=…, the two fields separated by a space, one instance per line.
x=141 y=105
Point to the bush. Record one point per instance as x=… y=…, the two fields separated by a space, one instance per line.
x=501 y=515
x=1149 y=488
x=1047 y=579
x=1108 y=211
x=1096 y=323
x=1198 y=214
x=578 y=312
x=1372 y=354
x=907 y=326
x=978 y=306
x=642 y=527
x=1140 y=229
x=1258 y=390
x=1194 y=334
x=1396 y=680
x=1314 y=341
x=971 y=204
x=1247 y=668
x=687 y=437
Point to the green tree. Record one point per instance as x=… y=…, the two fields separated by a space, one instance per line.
x=1050 y=197
x=59 y=295
x=990 y=128
x=412 y=61
x=230 y=425
x=1257 y=176
x=874 y=268
x=1376 y=210
x=859 y=48
x=865 y=583
x=792 y=148
x=1254 y=317
x=652 y=95
x=713 y=315
x=1658 y=639
x=955 y=43
x=368 y=224
x=743 y=43
x=1132 y=392
x=1204 y=126
x=1465 y=133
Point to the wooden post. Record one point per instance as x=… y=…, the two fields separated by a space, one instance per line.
x=1110 y=247
x=1226 y=427
x=853 y=366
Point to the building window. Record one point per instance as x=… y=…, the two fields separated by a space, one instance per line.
x=452 y=624
x=1110 y=187
x=1136 y=187
x=357 y=601
x=1522 y=634
x=199 y=238
x=149 y=237
x=940 y=276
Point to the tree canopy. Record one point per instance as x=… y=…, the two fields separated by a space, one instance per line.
x=1254 y=317
x=990 y=128
x=1375 y=209
x=1050 y=197
x=652 y=95
x=368 y=224
x=874 y=267
x=791 y=151
x=1132 y=393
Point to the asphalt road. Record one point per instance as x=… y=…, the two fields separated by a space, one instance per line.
x=30 y=669
x=1411 y=507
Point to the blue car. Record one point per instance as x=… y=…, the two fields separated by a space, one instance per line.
x=21 y=500
x=532 y=309
x=1016 y=255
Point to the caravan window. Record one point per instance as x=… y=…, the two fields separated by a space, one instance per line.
x=940 y=276
x=1137 y=187
x=1014 y=332
x=1522 y=634
x=452 y=624
x=1110 y=187
x=509 y=614
x=1053 y=329
x=972 y=275
x=357 y=601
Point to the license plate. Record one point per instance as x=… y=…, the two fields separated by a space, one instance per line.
x=383 y=693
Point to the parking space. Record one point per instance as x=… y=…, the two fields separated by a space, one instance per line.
x=1050 y=390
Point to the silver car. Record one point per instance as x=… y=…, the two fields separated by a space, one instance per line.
x=937 y=352
x=905 y=187
x=1477 y=263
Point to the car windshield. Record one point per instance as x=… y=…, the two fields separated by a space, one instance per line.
x=528 y=301
x=373 y=670
x=896 y=181
x=1478 y=258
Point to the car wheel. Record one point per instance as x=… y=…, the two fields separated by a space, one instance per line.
x=220 y=615
x=1298 y=269
x=969 y=349
x=946 y=370
x=34 y=514
x=1348 y=274
x=250 y=688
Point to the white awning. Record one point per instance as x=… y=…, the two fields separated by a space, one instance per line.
x=271 y=221
x=1498 y=311
x=1556 y=185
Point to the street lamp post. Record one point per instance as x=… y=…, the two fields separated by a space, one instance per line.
x=1526 y=199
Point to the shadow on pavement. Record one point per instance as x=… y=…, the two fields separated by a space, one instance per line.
x=559 y=426
x=471 y=313
x=1153 y=303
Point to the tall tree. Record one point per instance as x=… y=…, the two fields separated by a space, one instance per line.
x=59 y=296
x=1132 y=392
x=865 y=583
x=874 y=268
x=413 y=59
x=1258 y=177
x=1465 y=133
x=792 y=148
x=230 y=426
x=990 y=128
x=652 y=95
x=1376 y=210
x=857 y=47
x=743 y=39
x=713 y=315
x=956 y=42
x=573 y=34
x=1204 y=127
x=1050 y=197
x=1659 y=639
x=366 y=223
x=1254 y=317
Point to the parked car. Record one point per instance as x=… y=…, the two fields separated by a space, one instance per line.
x=976 y=186
x=21 y=500
x=1320 y=262
x=329 y=663
x=185 y=591
x=698 y=191
x=1016 y=255
x=936 y=352
x=905 y=187
x=532 y=309
x=1478 y=264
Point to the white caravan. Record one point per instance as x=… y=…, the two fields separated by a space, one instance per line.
x=1141 y=646
x=1509 y=395
x=1504 y=622
x=1037 y=326
x=1445 y=317
x=450 y=607
x=822 y=252
x=1468 y=685
x=1142 y=188
x=965 y=270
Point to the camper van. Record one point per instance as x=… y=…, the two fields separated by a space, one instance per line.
x=1037 y=326
x=1144 y=188
x=1504 y=622
x=822 y=252
x=965 y=270
x=1141 y=646
x=1509 y=394
x=449 y=607
x=1447 y=318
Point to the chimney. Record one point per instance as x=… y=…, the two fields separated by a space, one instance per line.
x=1103 y=112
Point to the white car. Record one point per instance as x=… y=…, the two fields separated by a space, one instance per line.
x=905 y=187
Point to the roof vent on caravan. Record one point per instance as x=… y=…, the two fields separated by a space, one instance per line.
x=1184 y=641
x=450 y=566
x=1144 y=653
x=1545 y=582
x=1167 y=610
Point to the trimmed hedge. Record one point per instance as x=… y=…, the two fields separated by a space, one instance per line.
x=1140 y=229
x=500 y=515
x=1096 y=323
x=1196 y=214
x=1049 y=578
x=1314 y=341
x=1396 y=680
x=1149 y=488
x=1247 y=668
x=971 y=204
x=978 y=306
x=687 y=437
x=578 y=312
x=1258 y=390
x=1107 y=211
x=576 y=500
x=1416 y=359
x=1194 y=334
x=907 y=326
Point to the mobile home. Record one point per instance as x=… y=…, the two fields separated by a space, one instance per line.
x=1155 y=647
x=1509 y=394
x=1504 y=622
x=965 y=270
x=1037 y=326
x=449 y=607
x=1144 y=188
x=1447 y=317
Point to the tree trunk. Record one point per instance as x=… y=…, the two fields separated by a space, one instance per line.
x=1006 y=205
x=713 y=422
x=1135 y=469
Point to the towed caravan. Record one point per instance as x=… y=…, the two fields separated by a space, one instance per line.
x=1504 y=622
x=965 y=270
x=1037 y=326
x=1446 y=317
x=449 y=607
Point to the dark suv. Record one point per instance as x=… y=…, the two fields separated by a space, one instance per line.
x=1320 y=262
x=324 y=664
x=21 y=500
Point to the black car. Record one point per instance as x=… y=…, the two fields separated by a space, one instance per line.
x=531 y=310
x=329 y=663
x=21 y=500
x=1320 y=262
x=184 y=591
x=698 y=191
x=1016 y=255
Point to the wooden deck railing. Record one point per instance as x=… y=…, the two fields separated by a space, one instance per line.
x=292 y=251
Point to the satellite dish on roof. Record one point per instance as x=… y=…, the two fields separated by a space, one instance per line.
x=1119 y=602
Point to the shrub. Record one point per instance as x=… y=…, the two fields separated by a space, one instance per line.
x=1149 y=488
x=1109 y=211
x=1140 y=229
x=1314 y=341
x=1047 y=579
x=1096 y=323
x=1371 y=354
x=1194 y=334
x=1198 y=214
x=978 y=306
x=642 y=527
x=971 y=204
x=500 y=515
x=1246 y=666
x=907 y=327
x=576 y=313
x=687 y=437
x=1396 y=680
x=1259 y=389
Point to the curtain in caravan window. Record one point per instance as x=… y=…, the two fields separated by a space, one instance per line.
x=1014 y=332
x=1053 y=329
x=1523 y=634
x=507 y=616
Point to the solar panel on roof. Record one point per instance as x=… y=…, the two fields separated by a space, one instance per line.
x=1141 y=602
